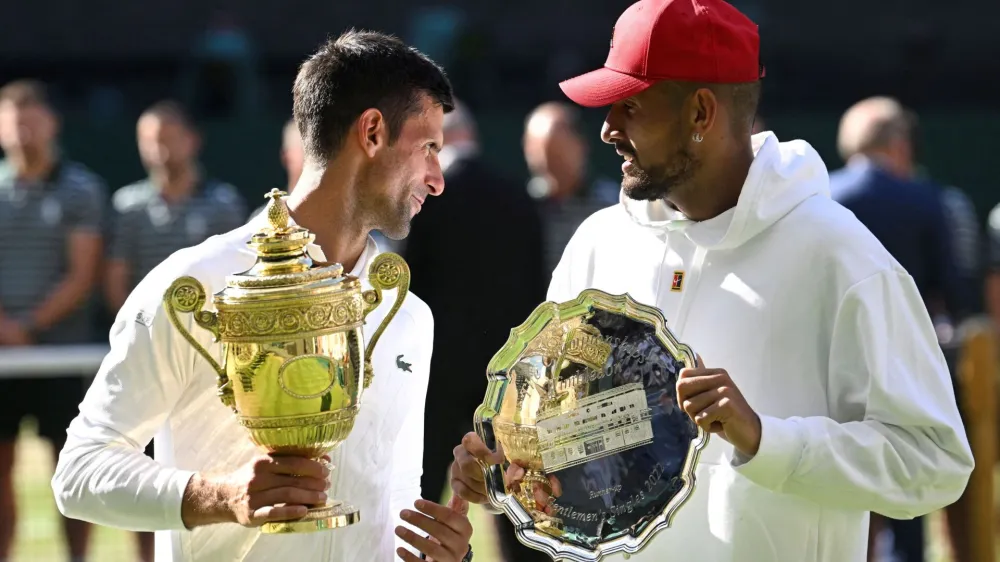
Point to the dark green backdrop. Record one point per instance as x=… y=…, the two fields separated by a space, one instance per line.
x=957 y=148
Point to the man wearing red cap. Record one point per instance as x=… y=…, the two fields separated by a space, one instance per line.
x=830 y=397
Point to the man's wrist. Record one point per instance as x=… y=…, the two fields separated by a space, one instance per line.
x=205 y=503
x=467 y=558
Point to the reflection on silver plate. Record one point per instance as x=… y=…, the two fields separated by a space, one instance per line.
x=584 y=393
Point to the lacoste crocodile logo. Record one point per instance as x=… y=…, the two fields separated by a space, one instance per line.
x=403 y=365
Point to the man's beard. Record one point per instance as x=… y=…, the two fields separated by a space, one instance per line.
x=395 y=219
x=390 y=216
x=656 y=183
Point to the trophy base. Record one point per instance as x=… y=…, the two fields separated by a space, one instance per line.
x=333 y=516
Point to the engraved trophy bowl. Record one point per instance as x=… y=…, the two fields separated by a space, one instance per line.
x=294 y=362
x=583 y=392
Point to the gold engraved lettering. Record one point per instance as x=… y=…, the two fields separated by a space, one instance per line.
x=585 y=346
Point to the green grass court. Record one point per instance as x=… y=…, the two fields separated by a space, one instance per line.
x=39 y=535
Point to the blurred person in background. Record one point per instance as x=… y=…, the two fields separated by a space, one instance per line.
x=909 y=218
x=370 y=110
x=178 y=205
x=51 y=212
x=906 y=214
x=968 y=252
x=292 y=159
x=491 y=228
x=557 y=154
x=175 y=207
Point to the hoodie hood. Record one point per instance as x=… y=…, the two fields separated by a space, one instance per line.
x=783 y=174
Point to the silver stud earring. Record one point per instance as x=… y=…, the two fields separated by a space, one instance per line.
x=697 y=137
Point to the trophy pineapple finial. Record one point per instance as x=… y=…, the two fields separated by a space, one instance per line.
x=277 y=211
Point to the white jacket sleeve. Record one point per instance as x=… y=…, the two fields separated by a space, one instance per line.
x=894 y=443
x=408 y=449
x=102 y=475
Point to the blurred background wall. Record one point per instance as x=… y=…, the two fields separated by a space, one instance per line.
x=234 y=62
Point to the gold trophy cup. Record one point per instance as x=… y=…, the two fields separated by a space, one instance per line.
x=292 y=367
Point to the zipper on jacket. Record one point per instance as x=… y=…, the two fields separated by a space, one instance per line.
x=691 y=286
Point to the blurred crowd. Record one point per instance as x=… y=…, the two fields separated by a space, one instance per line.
x=73 y=248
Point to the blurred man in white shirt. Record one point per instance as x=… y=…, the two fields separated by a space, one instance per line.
x=370 y=110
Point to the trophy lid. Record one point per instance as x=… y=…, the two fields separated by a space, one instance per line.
x=283 y=265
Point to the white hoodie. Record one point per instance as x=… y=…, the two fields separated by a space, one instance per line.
x=824 y=334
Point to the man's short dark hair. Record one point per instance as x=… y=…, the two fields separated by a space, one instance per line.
x=171 y=110
x=25 y=92
x=743 y=99
x=357 y=71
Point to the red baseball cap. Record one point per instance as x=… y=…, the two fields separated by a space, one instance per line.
x=654 y=40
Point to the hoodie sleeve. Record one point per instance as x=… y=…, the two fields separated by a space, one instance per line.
x=894 y=443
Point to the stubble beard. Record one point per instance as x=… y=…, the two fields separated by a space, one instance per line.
x=388 y=209
x=396 y=218
x=658 y=183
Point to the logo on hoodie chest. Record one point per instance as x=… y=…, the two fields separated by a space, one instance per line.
x=677 y=283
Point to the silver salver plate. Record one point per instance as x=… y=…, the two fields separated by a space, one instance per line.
x=584 y=392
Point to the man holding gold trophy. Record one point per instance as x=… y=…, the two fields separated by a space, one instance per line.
x=283 y=366
x=822 y=395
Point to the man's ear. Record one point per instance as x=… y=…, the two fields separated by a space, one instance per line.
x=703 y=111
x=371 y=131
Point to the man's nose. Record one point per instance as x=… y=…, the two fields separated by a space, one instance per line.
x=435 y=181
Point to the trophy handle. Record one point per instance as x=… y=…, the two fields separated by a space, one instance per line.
x=387 y=271
x=186 y=295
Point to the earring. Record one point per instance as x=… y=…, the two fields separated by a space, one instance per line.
x=697 y=137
